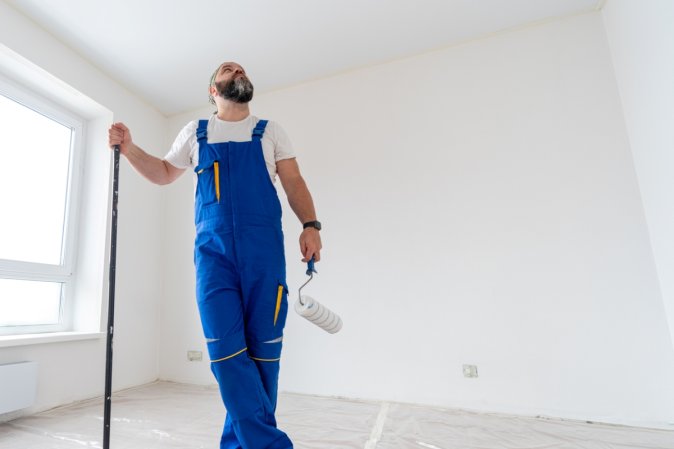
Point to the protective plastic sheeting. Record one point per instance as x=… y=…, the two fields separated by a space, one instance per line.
x=169 y=415
x=326 y=423
x=409 y=426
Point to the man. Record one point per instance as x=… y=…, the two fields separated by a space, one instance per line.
x=238 y=254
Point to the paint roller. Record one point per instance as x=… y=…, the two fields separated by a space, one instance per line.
x=314 y=311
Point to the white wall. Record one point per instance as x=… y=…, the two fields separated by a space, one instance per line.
x=480 y=206
x=75 y=370
x=641 y=39
x=181 y=329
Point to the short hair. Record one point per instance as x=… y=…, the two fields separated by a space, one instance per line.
x=212 y=83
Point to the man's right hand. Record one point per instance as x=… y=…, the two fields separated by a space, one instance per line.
x=152 y=168
x=119 y=134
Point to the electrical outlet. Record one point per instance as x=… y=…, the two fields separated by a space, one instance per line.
x=469 y=370
x=194 y=356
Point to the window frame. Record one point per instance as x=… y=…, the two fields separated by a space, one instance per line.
x=65 y=272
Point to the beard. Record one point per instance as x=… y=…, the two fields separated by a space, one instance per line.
x=238 y=90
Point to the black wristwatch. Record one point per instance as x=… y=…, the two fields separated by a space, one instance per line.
x=313 y=224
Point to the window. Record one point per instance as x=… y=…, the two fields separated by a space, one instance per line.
x=40 y=154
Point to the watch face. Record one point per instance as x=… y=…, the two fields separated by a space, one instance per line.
x=313 y=224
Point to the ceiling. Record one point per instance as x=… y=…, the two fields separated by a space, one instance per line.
x=164 y=51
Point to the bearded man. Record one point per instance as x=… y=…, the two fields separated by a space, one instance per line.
x=239 y=255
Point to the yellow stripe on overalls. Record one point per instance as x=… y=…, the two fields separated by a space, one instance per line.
x=264 y=360
x=229 y=356
x=216 y=170
x=279 y=296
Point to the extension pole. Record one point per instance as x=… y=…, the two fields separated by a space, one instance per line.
x=111 y=302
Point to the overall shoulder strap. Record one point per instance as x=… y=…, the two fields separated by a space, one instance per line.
x=201 y=141
x=259 y=129
x=202 y=131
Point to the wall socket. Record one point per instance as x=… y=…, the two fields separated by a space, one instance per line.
x=194 y=356
x=469 y=370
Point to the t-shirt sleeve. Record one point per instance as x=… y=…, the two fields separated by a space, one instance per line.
x=180 y=154
x=283 y=148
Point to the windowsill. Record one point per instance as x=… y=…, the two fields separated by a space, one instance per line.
x=51 y=337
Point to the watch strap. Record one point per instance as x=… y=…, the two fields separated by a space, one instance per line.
x=313 y=224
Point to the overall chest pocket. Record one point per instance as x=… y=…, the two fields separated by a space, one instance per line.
x=208 y=183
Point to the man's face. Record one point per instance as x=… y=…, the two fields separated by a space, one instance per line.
x=231 y=83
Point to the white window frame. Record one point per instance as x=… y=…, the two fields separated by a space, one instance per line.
x=64 y=272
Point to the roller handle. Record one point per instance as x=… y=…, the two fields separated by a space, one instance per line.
x=111 y=301
x=310 y=266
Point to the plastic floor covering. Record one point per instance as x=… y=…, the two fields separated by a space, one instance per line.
x=170 y=415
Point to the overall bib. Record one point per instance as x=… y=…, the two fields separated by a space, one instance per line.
x=241 y=288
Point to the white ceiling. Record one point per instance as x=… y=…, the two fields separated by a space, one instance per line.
x=165 y=50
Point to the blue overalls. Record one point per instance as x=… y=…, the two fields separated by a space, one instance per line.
x=241 y=288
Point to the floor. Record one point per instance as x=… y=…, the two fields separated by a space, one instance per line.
x=170 y=415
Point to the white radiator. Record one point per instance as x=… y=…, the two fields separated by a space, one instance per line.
x=18 y=385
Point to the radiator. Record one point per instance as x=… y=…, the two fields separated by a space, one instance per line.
x=18 y=385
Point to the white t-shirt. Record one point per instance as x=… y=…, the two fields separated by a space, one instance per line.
x=276 y=145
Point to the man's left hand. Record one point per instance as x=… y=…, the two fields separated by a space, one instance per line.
x=310 y=244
